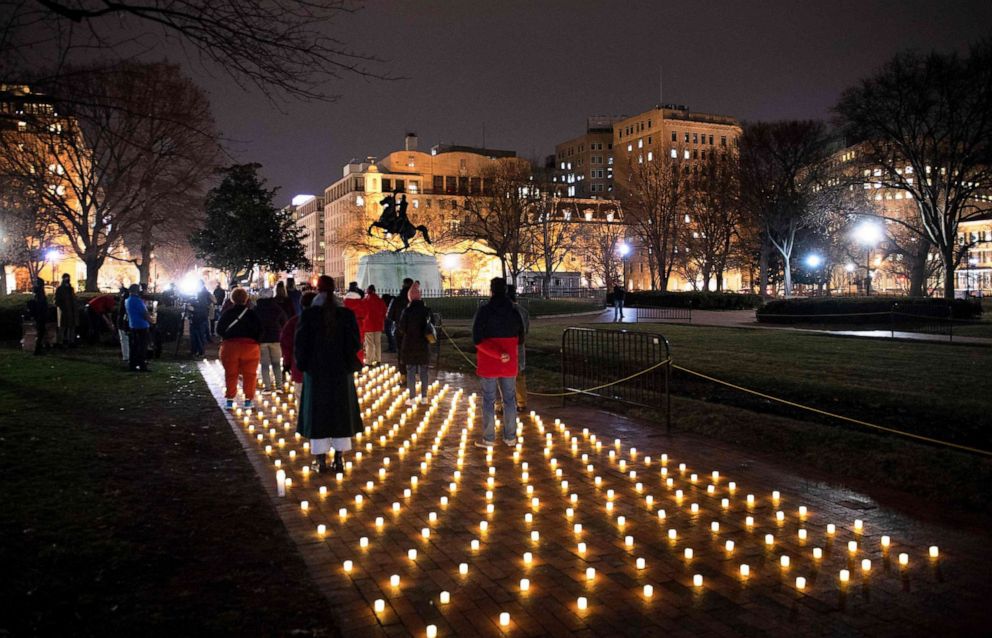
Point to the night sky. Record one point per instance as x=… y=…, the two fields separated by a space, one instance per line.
x=531 y=71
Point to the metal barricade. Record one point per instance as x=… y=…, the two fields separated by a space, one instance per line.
x=910 y=318
x=607 y=363
x=653 y=313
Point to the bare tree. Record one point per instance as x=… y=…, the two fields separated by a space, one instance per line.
x=784 y=173
x=97 y=169
x=922 y=125
x=714 y=209
x=282 y=47
x=496 y=222
x=25 y=235
x=555 y=226
x=653 y=194
x=599 y=246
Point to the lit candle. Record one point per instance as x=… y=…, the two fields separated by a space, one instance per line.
x=886 y=541
x=697 y=580
x=729 y=546
x=672 y=534
x=582 y=602
x=528 y=557
x=687 y=553
x=321 y=529
x=784 y=561
x=431 y=631
x=817 y=553
x=800 y=583
x=590 y=573
x=640 y=563
x=363 y=541
x=379 y=605
x=714 y=527
x=831 y=528
x=745 y=570
x=845 y=575
x=648 y=591
x=769 y=539
x=582 y=548
x=444 y=598
x=504 y=619
x=280 y=480
x=524 y=584
x=852 y=546
x=348 y=565
x=463 y=568
x=412 y=554
x=934 y=551
x=904 y=559
x=865 y=565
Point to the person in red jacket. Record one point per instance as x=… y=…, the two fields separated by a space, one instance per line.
x=375 y=322
x=286 y=341
x=354 y=302
x=497 y=330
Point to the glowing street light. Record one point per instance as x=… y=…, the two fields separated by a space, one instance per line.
x=868 y=234
x=814 y=261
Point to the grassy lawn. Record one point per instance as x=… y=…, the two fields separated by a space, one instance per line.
x=461 y=308
x=130 y=509
x=931 y=389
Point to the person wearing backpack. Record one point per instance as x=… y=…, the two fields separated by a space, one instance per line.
x=415 y=330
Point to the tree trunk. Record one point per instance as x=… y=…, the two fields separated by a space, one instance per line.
x=145 y=265
x=93 y=265
x=719 y=279
x=917 y=277
x=947 y=256
x=763 y=269
x=3 y=279
x=786 y=262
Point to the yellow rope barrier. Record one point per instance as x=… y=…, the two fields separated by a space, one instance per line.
x=833 y=415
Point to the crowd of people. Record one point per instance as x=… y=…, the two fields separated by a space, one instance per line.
x=319 y=339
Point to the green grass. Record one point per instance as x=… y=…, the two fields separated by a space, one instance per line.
x=130 y=509
x=461 y=308
x=936 y=390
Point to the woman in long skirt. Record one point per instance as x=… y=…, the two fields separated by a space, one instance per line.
x=326 y=350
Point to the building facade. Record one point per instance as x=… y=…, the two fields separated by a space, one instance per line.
x=584 y=165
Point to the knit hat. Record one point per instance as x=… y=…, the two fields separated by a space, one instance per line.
x=325 y=283
x=414 y=293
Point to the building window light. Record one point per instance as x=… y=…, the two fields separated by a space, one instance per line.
x=675 y=154
x=650 y=156
x=630 y=147
x=685 y=154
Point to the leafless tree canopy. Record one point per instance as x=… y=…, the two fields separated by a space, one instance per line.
x=923 y=125
x=281 y=47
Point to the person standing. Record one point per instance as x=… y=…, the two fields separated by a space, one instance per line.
x=38 y=308
x=521 y=384
x=618 y=295
x=219 y=295
x=120 y=321
x=326 y=351
x=396 y=308
x=65 y=303
x=387 y=324
x=272 y=319
x=98 y=311
x=240 y=329
x=283 y=300
x=375 y=320
x=497 y=331
x=295 y=295
x=199 y=318
x=286 y=338
x=355 y=302
x=413 y=328
x=140 y=322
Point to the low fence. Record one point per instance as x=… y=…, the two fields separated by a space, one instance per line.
x=652 y=314
x=631 y=367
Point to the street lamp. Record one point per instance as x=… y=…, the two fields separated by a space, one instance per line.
x=849 y=268
x=869 y=234
x=813 y=262
x=624 y=250
x=50 y=256
x=450 y=262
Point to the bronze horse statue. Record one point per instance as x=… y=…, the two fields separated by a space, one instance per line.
x=395 y=222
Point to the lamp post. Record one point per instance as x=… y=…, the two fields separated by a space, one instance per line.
x=972 y=262
x=849 y=268
x=50 y=256
x=814 y=262
x=624 y=250
x=869 y=234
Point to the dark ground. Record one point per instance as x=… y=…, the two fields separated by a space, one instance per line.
x=129 y=508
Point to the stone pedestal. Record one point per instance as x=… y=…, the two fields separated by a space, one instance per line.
x=386 y=270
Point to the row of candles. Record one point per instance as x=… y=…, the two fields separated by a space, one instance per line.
x=379 y=393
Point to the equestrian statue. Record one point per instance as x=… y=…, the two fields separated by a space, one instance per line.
x=394 y=221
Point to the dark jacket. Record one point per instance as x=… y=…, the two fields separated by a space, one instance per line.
x=287 y=306
x=201 y=305
x=398 y=305
x=272 y=318
x=248 y=327
x=412 y=327
x=497 y=330
x=38 y=305
x=329 y=401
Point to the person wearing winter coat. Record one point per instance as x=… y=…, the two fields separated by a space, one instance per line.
x=354 y=302
x=375 y=323
x=240 y=328
x=396 y=308
x=283 y=300
x=65 y=302
x=413 y=328
x=272 y=318
x=497 y=331
x=326 y=349
x=286 y=342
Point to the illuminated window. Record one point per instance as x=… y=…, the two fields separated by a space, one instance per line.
x=650 y=156
x=675 y=154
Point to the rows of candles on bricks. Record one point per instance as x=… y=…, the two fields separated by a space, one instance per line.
x=655 y=483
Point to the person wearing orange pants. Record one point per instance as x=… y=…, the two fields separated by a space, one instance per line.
x=241 y=330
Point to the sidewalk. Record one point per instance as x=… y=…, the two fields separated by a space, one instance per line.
x=440 y=495
x=746 y=319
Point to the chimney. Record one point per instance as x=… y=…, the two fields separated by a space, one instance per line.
x=411 y=142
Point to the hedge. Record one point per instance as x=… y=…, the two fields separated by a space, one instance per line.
x=859 y=309
x=700 y=300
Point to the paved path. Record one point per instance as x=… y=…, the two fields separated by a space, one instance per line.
x=477 y=531
x=746 y=319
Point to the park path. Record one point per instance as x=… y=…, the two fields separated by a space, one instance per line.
x=477 y=531
x=746 y=319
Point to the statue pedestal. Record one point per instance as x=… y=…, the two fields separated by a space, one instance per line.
x=386 y=270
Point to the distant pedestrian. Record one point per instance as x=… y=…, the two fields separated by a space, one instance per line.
x=140 y=322
x=38 y=309
x=618 y=297
x=521 y=384
x=219 y=296
x=294 y=294
x=414 y=327
x=283 y=300
x=355 y=302
x=199 y=321
x=497 y=331
x=388 y=326
x=286 y=338
x=396 y=308
x=65 y=303
x=375 y=320
x=326 y=350
x=99 y=310
x=241 y=330
x=120 y=322
x=272 y=319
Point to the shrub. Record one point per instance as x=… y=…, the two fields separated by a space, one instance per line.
x=861 y=309
x=697 y=300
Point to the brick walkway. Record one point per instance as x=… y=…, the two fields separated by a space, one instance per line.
x=592 y=523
